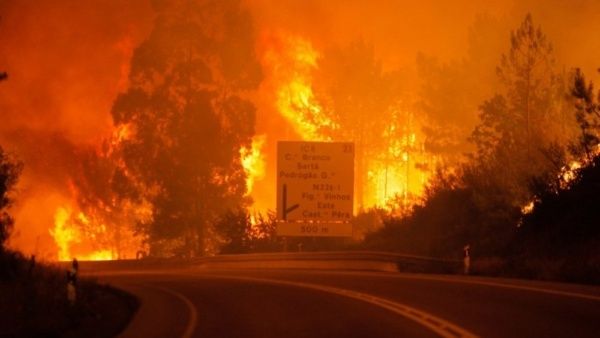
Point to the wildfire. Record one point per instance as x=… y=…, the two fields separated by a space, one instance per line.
x=567 y=174
x=122 y=132
x=528 y=208
x=395 y=173
x=68 y=237
x=290 y=61
x=89 y=237
x=399 y=173
x=102 y=230
x=63 y=235
x=253 y=161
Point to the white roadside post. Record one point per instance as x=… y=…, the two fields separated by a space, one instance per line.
x=467 y=258
x=72 y=282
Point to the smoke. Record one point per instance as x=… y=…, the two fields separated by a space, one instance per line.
x=401 y=29
x=67 y=61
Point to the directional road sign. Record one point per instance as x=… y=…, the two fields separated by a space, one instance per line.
x=315 y=183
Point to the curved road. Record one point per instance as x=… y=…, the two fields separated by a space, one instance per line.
x=199 y=302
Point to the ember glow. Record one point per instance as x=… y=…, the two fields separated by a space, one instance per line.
x=567 y=175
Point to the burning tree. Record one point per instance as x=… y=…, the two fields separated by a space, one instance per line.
x=520 y=144
x=189 y=119
x=359 y=96
x=109 y=207
x=344 y=94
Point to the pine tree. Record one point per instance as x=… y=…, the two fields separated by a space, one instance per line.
x=587 y=113
x=520 y=124
x=359 y=95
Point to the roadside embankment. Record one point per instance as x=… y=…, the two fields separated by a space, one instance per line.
x=34 y=303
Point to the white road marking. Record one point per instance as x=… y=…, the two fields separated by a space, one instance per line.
x=508 y=286
x=469 y=280
x=193 y=320
x=440 y=326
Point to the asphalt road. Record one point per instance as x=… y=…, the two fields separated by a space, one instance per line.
x=302 y=303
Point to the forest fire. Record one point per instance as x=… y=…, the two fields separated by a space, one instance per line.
x=91 y=228
x=253 y=162
x=396 y=172
x=92 y=237
x=399 y=173
x=235 y=152
x=289 y=62
x=72 y=242
x=170 y=121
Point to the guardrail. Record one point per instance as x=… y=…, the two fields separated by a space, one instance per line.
x=334 y=260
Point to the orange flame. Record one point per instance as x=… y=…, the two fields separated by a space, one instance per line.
x=399 y=173
x=101 y=232
x=253 y=161
x=567 y=174
x=81 y=236
x=122 y=132
x=290 y=61
x=396 y=172
x=67 y=235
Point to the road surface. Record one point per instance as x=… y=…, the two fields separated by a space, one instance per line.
x=198 y=302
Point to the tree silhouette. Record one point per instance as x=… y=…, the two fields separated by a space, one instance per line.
x=10 y=170
x=518 y=142
x=520 y=124
x=189 y=119
x=358 y=96
x=526 y=72
x=587 y=113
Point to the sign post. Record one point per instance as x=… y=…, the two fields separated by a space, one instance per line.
x=315 y=188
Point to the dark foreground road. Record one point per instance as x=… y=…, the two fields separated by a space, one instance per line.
x=300 y=303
